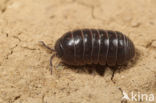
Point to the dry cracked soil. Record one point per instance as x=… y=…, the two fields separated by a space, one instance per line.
x=24 y=64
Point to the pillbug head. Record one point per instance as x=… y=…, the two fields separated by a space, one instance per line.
x=59 y=48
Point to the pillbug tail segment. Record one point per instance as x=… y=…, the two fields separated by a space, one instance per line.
x=46 y=46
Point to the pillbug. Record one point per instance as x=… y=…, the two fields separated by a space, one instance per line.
x=93 y=46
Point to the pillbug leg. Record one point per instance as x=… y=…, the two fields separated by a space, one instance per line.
x=51 y=64
x=113 y=72
x=43 y=44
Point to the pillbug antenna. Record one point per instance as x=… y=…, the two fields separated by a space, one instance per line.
x=46 y=46
x=51 y=64
x=51 y=58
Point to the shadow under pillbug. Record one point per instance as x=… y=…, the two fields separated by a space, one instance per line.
x=93 y=46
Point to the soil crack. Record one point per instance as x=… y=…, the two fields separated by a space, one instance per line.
x=25 y=47
x=11 y=52
x=92 y=7
x=5 y=6
x=150 y=43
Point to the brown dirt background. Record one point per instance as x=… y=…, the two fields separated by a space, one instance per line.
x=24 y=74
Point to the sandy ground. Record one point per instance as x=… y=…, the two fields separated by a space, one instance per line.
x=24 y=64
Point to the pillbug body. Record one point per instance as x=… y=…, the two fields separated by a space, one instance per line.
x=94 y=46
